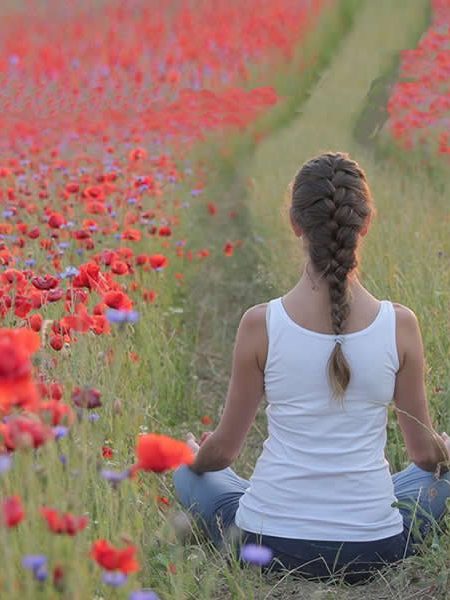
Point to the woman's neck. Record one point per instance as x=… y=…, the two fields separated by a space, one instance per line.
x=313 y=283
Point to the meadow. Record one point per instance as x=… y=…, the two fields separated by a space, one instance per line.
x=143 y=182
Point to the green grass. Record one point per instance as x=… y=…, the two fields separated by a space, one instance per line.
x=185 y=340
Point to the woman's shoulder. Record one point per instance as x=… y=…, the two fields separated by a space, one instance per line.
x=255 y=316
x=405 y=317
x=253 y=325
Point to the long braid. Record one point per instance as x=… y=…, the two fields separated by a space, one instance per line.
x=331 y=202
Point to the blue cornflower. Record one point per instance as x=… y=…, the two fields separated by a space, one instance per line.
x=60 y=431
x=69 y=272
x=114 y=477
x=256 y=554
x=37 y=563
x=5 y=463
x=122 y=316
x=114 y=578
x=143 y=595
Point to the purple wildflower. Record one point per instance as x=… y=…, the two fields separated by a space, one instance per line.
x=5 y=463
x=143 y=595
x=93 y=417
x=121 y=316
x=34 y=561
x=256 y=554
x=60 y=431
x=114 y=578
x=114 y=477
x=37 y=563
x=69 y=272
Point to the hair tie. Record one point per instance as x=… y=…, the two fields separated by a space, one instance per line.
x=339 y=339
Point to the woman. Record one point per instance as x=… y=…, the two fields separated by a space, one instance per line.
x=329 y=358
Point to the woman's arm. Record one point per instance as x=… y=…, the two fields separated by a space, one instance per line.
x=425 y=447
x=245 y=391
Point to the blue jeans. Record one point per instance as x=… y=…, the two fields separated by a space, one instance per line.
x=214 y=498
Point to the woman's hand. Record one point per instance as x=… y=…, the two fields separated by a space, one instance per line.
x=205 y=435
x=192 y=443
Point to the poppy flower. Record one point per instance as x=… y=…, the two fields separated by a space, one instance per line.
x=107 y=452
x=114 y=559
x=35 y=322
x=119 y=267
x=12 y=511
x=86 y=397
x=160 y=453
x=117 y=300
x=63 y=523
x=165 y=231
x=158 y=261
x=56 y=342
x=24 y=432
x=228 y=249
x=55 y=412
x=47 y=282
x=134 y=235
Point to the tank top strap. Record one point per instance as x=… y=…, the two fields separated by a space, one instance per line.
x=274 y=316
x=391 y=333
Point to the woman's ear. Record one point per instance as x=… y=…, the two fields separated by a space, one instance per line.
x=295 y=226
x=365 y=229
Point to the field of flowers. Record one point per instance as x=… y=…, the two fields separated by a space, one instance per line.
x=419 y=107
x=105 y=109
x=123 y=125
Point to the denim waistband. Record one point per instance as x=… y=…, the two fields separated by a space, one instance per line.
x=316 y=559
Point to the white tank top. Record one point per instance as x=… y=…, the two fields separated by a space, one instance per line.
x=322 y=474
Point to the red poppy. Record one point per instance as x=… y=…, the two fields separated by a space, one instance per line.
x=12 y=511
x=35 y=322
x=158 y=261
x=228 y=249
x=86 y=397
x=206 y=420
x=119 y=267
x=149 y=295
x=56 y=342
x=47 y=282
x=133 y=235
x=24 y=432
x=160 y=453
x=165 y=231
x=118 y=300
x=114 y=559
x=63 y=523
x=56 y=412
x=56 y=220
x=107 y=452
x=16 y=385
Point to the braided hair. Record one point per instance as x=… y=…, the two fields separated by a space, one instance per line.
x=331 y=202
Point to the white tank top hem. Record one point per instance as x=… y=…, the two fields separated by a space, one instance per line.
x=322 y=474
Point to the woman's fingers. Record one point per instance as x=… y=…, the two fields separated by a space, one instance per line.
x=205 y=435
x=192 y=442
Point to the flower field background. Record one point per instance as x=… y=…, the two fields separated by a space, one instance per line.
x=143 y=160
